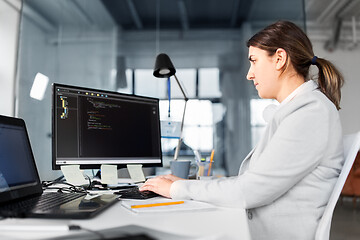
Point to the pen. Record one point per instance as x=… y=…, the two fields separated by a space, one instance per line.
x=201 y=168
x=156 y=204
x=211 y=160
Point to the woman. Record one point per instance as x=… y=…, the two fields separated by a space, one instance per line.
x=285 y=182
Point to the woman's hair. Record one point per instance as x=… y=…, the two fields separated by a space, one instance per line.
x=293 y=40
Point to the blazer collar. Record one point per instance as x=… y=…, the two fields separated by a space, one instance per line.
x=306 y=87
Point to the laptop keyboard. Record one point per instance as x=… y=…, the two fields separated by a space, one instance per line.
x=135 y=193
x=44 y=202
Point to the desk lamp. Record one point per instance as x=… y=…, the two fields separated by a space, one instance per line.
x=165 y=69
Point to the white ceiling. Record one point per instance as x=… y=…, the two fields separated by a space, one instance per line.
x=334 y=21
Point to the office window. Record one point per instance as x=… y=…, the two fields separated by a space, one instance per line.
x=148 y=85
x=209 y=86
x=258 y=123
x=187 y=78
x=198 y=133
x=198 y=125
x=176 y=111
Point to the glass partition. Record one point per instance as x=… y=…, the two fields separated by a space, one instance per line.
x=70 y=42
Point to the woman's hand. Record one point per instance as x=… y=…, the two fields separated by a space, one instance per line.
x=160 y=185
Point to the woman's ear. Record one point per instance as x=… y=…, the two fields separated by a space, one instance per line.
x=281 y=58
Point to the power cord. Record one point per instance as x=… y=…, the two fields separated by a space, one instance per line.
x=70 y=187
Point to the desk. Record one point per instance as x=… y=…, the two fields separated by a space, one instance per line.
x=217 y=223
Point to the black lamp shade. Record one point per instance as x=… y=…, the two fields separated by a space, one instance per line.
x=163 y=66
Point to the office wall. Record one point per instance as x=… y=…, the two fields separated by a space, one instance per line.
x=9 y=21
x=347 y=62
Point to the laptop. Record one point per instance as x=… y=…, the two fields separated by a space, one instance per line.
x=21 y=192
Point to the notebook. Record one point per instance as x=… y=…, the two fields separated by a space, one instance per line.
x=161 y=204
x=21 y=193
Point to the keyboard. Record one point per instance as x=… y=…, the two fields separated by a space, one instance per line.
x=43 y=202
x=135 y=193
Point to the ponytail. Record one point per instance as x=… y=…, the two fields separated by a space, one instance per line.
x=330 y=80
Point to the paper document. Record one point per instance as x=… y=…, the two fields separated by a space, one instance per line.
x=161 y=204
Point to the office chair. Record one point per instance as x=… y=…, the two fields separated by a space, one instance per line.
x=351 y=148
x=352 y=185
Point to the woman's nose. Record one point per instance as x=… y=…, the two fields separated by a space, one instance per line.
x=250 y=75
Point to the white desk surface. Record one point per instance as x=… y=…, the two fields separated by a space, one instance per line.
x=217 y=223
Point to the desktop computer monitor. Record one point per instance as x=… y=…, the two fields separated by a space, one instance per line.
x=93 y=127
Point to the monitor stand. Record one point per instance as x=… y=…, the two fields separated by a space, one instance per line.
x=135 y=171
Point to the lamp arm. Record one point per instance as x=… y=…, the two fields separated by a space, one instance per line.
x=182 y=121
x=181 y=133
x=182 y=90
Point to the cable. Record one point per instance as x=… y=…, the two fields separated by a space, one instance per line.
x=71 y=188
x=59 y=178
x=169 y=94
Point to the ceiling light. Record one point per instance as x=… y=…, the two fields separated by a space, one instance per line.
x=39 y=86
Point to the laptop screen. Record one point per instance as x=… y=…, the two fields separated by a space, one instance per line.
x=17 y=167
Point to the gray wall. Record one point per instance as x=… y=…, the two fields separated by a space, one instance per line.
x=9 y=30
x=347 y=60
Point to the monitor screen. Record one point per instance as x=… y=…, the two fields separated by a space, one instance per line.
x=93 y=127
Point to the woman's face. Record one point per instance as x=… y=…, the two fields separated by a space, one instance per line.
x=263 y=73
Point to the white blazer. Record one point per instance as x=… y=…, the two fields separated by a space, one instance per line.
x=285 y=182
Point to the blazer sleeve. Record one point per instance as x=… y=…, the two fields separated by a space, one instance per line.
x=294 y=150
